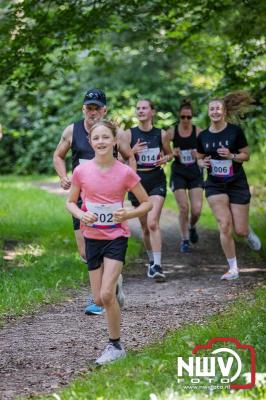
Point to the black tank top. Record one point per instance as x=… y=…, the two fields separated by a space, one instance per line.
x=146 y=160
x=185 y=164
x=185 y=143
x=81 y=148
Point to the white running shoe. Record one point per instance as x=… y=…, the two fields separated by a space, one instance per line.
x=120 y=295
x=110 y=353
x=230 y=275
x=253 y=240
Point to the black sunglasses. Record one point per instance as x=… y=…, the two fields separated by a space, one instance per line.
x=185 y=116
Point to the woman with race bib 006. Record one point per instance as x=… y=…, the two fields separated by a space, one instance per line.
x=186 y=176
x=222 y=149
x=102 y=184
x=151 y=147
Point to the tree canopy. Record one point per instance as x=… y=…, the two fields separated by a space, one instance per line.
x=53 y=51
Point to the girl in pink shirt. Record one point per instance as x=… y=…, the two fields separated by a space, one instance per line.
x=102 y=183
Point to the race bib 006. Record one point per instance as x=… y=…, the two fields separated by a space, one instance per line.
x=148 y=157
x=222 y=168
x=104 y=213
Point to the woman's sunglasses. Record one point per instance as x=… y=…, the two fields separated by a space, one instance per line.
x=185 y=116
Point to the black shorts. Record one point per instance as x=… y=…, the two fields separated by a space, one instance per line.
x=154 y=182
x=237 y=191
x=96 y=250
x=76 y=221
x=178 y=181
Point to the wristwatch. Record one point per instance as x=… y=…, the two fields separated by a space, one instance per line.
x=234 y=156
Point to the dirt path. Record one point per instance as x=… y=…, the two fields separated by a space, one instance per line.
x=43 y=352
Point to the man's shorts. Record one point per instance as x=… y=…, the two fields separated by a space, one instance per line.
x=96 y=250
x=154 y=182
x=76 y=221
x=237 y=191
x=178 y=181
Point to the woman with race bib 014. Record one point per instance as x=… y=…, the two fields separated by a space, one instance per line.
x=151 y=147
x=102 y=184
x=222 y=149
x=186 y=177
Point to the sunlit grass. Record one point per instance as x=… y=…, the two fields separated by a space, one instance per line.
x=39 y=258
x=24 y=289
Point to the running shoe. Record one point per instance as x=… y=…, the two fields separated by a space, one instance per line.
x=149 y=264
x=184 y=246
x=230 y=275
x=193 y=235
x=92 y=308
x=120 y=295
x=156 y=272
x=253 y=240
x=110 y=353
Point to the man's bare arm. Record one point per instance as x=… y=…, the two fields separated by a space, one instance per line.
x=60 y=154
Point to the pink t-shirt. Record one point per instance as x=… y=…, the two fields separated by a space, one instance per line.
x=102 y=193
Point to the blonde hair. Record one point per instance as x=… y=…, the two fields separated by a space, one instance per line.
x=236 y=104
x=108 y=124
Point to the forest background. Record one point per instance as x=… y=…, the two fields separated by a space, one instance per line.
x=53 y=51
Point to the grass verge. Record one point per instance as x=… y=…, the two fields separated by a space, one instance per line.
x=37 y=248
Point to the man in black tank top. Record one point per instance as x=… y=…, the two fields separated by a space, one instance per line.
x=75 y=137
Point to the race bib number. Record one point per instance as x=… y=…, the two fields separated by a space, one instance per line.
x=148 y=157
x=82 y=160
x=186 y=157
x=222 y=168
x=104 y=213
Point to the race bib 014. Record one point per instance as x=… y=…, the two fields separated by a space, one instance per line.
x=148 y=157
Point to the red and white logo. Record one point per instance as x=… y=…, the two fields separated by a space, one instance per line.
x=225 y=363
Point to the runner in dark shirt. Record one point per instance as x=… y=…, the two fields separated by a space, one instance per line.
x=222 y=149
x=152 y=149
x=186 y=177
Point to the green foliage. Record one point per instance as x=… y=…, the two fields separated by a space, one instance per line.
x=52 y=52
